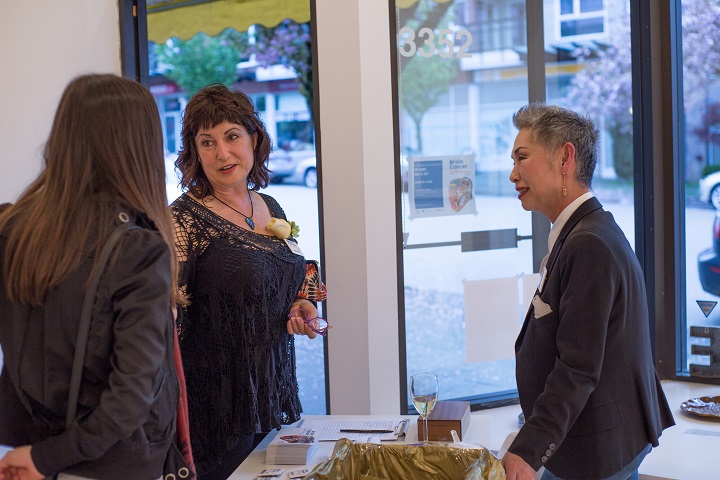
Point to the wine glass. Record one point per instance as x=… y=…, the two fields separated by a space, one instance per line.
x=424 y=393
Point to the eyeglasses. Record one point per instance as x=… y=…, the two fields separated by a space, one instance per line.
x=317 y=324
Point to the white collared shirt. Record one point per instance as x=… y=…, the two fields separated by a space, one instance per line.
x=563 y=218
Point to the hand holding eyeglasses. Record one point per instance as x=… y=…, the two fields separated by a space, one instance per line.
x=300 y=321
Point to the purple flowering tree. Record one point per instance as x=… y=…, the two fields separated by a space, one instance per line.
x=603 y=89
x=701 y=44
x=289 y=44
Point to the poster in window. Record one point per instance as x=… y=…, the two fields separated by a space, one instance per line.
x=442 y=185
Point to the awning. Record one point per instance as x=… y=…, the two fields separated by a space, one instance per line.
x=185 y=18
x=408 y=3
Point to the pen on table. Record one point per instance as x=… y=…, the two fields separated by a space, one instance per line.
x=362 y=430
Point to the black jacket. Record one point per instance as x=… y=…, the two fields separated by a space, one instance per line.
x=129 y=391
x=585 y=374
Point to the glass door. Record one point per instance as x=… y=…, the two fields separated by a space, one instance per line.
x=467 y=249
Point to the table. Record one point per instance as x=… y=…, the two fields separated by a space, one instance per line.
x=689 y=450
x=478 y=432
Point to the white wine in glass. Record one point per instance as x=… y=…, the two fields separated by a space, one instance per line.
x=424 y=393
x=424 y=404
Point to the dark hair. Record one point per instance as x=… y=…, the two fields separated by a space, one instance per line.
x=553 y=126
x=105 y=151
x=211 y=106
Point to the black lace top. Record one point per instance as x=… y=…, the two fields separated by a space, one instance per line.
x=239 y=359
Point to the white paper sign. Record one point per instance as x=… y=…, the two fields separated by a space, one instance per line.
x=442 y=185
x=494 y=311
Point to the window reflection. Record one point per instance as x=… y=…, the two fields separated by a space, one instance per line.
x=701 y=52
x=459 y=107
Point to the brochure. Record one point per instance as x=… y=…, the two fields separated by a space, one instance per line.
x=292 y=446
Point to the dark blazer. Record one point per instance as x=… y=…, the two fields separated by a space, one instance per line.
x=585 y=375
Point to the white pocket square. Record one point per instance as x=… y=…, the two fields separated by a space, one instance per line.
x=541 y=308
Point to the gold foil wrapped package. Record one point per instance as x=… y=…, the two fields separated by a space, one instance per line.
x=369 y=461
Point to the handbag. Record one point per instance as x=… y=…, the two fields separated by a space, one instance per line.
x=179 y=464
x=175 y=467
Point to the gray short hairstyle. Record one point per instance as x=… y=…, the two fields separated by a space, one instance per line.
x=552 y=126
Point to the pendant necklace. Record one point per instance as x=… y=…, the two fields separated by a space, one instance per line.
x=249 y=219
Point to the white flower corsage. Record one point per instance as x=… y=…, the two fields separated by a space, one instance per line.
x=283 y=229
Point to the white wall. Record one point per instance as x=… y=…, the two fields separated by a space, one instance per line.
x=45 y=43
x=358 y=198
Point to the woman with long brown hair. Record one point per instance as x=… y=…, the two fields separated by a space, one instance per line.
x=103 y=166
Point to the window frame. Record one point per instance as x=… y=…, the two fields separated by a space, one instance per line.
x=578 y=15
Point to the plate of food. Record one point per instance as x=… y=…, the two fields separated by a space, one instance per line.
x=702 y=406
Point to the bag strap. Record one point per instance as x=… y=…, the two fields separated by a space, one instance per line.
x=86 y=312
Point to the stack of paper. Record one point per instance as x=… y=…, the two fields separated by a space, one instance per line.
x=358 y=431
x=291 y=446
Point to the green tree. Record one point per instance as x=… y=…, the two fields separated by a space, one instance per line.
x=203 y=59
x=423 y=80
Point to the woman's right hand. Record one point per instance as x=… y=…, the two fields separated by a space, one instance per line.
x=17 y=464
x=296 y=326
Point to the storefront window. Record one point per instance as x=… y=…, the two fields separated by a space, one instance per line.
x=468 y=259
x=249 y=57
x=701 y=167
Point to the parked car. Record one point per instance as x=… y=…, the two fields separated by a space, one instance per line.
x=293 y=167
x=709 y=261
x=709 y=189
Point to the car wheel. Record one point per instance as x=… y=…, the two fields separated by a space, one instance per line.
x=715 y=197
x=311 y=178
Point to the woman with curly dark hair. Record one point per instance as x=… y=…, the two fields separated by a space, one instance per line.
x=243 y=276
